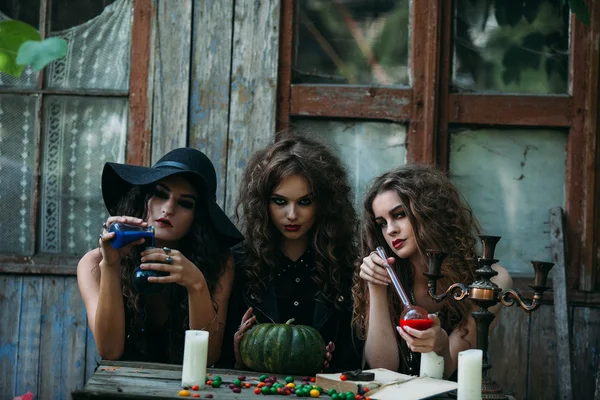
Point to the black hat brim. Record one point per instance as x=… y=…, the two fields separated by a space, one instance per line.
x=118 y=179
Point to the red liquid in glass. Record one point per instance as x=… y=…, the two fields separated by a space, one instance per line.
x=418 y=324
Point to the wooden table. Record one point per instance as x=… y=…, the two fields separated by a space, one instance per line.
x=132 y=380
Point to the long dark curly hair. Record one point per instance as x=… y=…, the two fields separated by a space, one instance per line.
x=333 y=236
x=440 y=219
x=199 y=245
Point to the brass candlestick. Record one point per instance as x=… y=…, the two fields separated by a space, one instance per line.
x=485 y=293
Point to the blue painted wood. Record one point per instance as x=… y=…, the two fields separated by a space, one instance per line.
x=92 y=358
x=51 y=346
x=74 y=334
x=10 y=304
x=29 y=335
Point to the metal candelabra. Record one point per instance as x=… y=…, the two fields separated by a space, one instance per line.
x=485 y=293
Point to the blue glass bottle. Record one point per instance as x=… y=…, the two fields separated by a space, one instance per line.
x=126 y=234
x=140 y=280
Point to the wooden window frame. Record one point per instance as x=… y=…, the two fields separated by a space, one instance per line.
x=430 y=108
x=138 y=135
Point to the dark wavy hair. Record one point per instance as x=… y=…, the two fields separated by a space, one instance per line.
x=333 y=236
x=440 y=220
x=199 y=245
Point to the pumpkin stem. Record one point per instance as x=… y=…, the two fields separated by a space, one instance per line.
x=289 y=321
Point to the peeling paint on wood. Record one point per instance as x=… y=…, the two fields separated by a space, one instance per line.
x=29 y=335
x=171 y=76
x=210 y=84
x=253 y=87
x=10 y=304
x=52 y=338
x=351 y=102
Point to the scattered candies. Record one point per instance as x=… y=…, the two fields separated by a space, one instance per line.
x=184 y=393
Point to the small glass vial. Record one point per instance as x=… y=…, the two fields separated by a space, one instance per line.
x=413 y=316
x=126 y=234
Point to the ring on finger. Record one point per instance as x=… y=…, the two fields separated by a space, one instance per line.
x=104 y=225
x=169 y=260
x=167 y=250
x=100 y=236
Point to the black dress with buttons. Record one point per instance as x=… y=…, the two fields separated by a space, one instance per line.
x=292 y=293
x=295 y=290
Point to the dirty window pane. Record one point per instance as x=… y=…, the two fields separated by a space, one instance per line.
x=353 y=42
x=24 y=10
x=507 y=46
x=368 y=149
x=17 y=172
x=98 y=56
x=80 y=135
x=511 y=178
x=66 y=14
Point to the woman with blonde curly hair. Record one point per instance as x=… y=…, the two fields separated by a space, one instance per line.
x=407 y=211
x=297 y=259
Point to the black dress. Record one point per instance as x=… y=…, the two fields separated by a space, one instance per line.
x=292 y=293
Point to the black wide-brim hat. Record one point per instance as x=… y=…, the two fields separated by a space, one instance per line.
x=118 y=179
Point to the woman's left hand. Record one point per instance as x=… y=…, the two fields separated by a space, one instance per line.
x=181 y=270
x=432 y=339
x=329 y=349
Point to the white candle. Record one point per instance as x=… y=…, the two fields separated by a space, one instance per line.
x=469 y=374
x=432 y=365
x=195 y=353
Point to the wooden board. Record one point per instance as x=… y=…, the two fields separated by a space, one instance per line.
x=542 y=355
x=253 y=87
x=51 y=338
x=586 y=351
x=561 y=304
x=171 y=76
x=74 y=337
x=29 y=335
x=130 y=380
x=10 y=303
x=508 y=349
x=210 y=84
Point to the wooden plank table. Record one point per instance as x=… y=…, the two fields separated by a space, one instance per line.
x=133 y=380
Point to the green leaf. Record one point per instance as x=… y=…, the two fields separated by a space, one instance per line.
x=12 y=35
x=40 y=54
x=579 y=8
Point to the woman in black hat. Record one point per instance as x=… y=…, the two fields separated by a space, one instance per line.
x=177 y=196
x=297 y=260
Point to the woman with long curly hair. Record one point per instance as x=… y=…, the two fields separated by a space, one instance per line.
x=409 y=210
x=297 y=259
x=192 y=240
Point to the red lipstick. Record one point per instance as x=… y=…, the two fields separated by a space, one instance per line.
x=397 y=243
x=292 y=228
x=165 y=223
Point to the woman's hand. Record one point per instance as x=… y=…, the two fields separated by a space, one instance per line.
x=432 y=339
x=247 y=321
x=110 y=255
x=373 y=271
x=181 y=270
x=329 y=349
